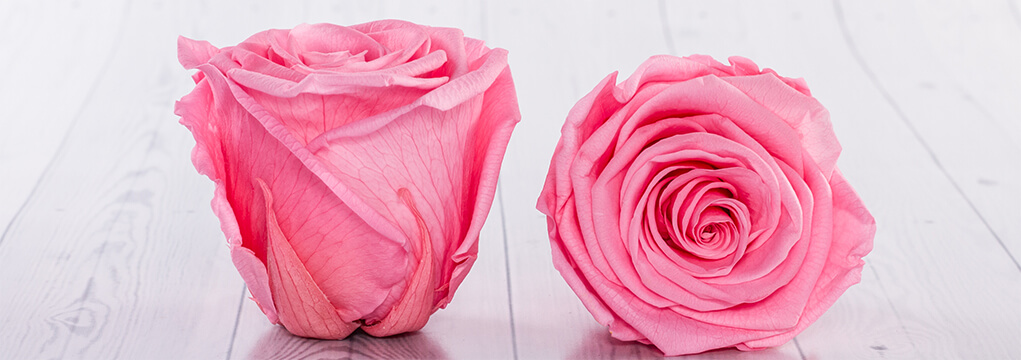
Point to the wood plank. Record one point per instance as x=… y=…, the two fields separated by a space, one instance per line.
x=131 y=270
x=962 y=56
x=974 y=46
x=42 y=93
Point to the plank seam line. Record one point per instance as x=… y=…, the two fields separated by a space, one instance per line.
x=896 y=314
x=914 y=132
x=507 y=271
x=798 y=346
x=62 y=148
x=237 y=321
x=87 y=293
x=484 y=32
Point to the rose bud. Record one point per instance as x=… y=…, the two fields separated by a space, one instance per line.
x=354 y=166
x=698 y=206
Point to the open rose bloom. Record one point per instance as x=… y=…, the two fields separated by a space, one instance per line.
x=698 y=206
x=354 y=166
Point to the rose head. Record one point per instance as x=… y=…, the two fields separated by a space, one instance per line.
x=354 y=166
x=698 y=206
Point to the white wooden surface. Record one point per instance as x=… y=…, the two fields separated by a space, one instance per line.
x=109 y=248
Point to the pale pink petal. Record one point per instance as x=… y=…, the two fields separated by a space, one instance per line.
x=302 y=306
x=447 y=160
x=414 y=75
x=415 y=306
x=803 y=113
x=258 y=63
x=450 y=41
x=660 y=69
x=329 y=38
x=198 y=114
x=309 y=115
x=192 y=53
x=487 y=147
x=311 y=212
x=853 y=230
x=584 y=122
x=253 y=272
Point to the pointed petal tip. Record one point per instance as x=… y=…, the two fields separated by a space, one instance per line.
x=301 y=305
x=192 y=53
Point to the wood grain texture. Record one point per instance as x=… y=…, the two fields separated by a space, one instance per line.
x=103 y=262
x=974 y=140
x=42 y=93
x=110 y=249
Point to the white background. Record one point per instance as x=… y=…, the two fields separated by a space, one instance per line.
x=110 y=250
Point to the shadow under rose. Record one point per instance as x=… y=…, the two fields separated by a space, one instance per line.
x=413 y=345
x=280 y=344
x=600 y=345
x=733 y=353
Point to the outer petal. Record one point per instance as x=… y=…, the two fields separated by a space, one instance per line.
x=195 y=110
x=329 y=38
x=415 y=306
x=801 y=112
x=487 y=146
x=192 y=53
x=556 y=200
x=447 y=157
x=853 y=231
x=663 y=69
x=311 y=214
x=303 y=308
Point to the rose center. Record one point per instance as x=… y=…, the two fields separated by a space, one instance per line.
x=708 y=234
x=698 y=216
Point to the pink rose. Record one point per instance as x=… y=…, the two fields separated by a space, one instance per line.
x=698 y=206
x=354 y=166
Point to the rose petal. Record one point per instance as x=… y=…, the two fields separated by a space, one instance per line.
x=444 y=98
x=448 y=161
x=802 y=112
x=194 y=109
x=303 y=308
x=354 y=287
x=488 y=145
x=853 y=229
x=192 y=53
x=414 y=308
x=329 y=38
x=688 y=290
